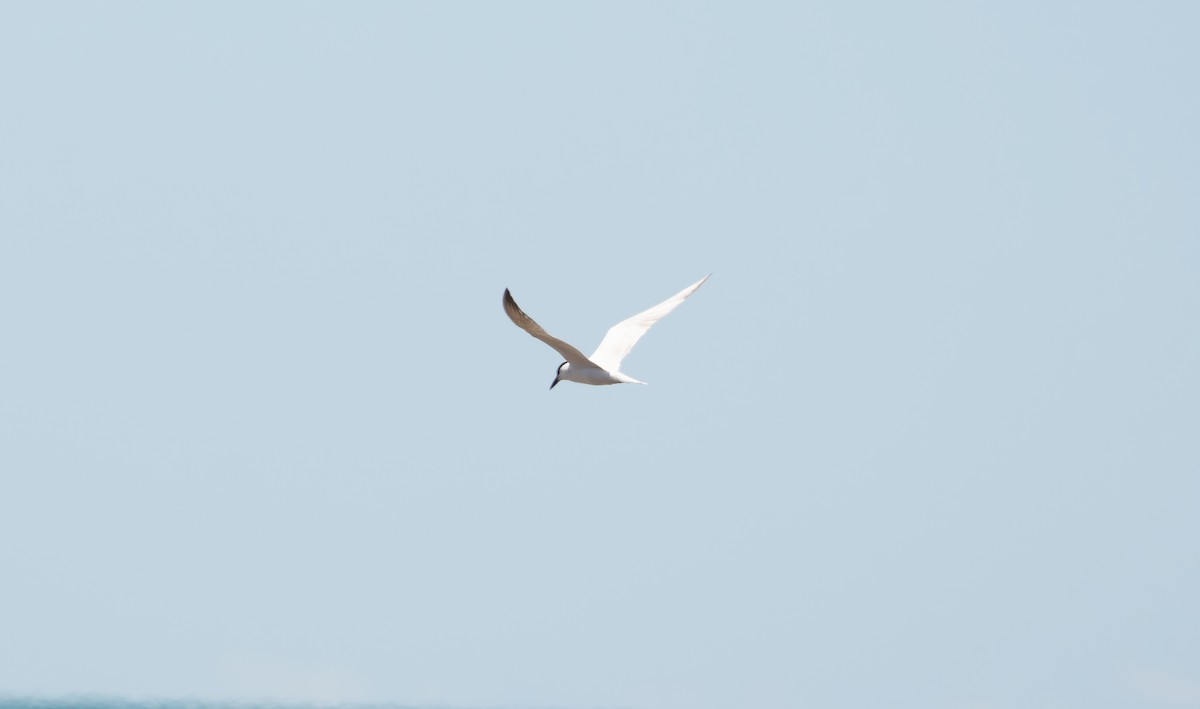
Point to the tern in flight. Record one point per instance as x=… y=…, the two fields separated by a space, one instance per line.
x=603 y=367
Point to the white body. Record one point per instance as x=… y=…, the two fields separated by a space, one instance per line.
x=603 y=366
x=593 y=375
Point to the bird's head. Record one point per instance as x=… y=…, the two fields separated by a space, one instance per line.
x=558 y=375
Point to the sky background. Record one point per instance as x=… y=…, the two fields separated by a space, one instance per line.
x=927 y=438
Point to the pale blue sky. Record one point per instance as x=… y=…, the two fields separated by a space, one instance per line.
x=928 y=438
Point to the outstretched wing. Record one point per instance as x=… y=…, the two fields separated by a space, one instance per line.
x=526 y=323
x=624 y=335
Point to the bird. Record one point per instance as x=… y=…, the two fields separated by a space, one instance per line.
x=604 y=365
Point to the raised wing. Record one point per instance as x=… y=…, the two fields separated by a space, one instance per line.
x=526 y=323
x=621 y=337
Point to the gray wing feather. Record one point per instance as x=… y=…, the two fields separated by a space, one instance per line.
x=526 y=323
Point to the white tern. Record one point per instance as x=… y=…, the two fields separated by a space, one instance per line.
x=603 y=367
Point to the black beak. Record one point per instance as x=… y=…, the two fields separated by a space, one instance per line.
x=553 y=383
